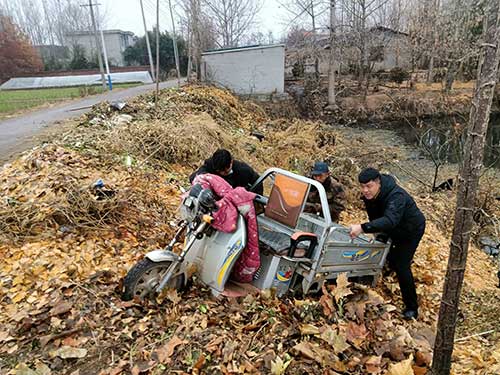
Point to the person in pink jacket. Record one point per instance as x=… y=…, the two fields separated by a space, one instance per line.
x=232 y=202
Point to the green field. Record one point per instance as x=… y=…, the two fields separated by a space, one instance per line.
x=15 y=100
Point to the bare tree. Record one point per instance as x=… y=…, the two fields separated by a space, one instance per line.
x=460 y=36
x=331 y=63
x=361 y=17
x=232 y=18
x=199 y=31
x=49 y=21
x=310 y=10
x=434 y=26
x=467 y=190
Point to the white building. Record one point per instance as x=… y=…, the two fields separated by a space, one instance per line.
x=249 y=70
x=116 y=41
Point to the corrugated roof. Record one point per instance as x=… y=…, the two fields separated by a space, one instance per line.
x=239 y=49
x=68 y=81
x=89 y=32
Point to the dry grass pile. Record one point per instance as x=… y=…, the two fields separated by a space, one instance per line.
x=50 y=191
x=185 y=141
x=227 y=110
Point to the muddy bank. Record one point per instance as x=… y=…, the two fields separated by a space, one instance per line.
x=383 y=103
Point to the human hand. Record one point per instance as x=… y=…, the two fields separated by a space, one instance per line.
x=355 y=230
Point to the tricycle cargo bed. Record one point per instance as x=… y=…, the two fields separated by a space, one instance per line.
x=343 y=254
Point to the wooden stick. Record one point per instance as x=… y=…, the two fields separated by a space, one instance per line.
x=475 y=335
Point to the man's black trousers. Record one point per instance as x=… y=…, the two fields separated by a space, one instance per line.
x=400 y=258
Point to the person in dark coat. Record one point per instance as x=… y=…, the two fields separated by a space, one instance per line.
x=235 y=172
x=334 y=192
x=393 y=212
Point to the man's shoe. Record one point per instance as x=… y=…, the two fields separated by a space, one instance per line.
x=410 y=314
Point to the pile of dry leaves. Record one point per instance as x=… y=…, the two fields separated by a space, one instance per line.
x=76 y=214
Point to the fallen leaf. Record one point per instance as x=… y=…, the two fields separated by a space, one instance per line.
x=356 y=333
x=372 y=365
x=66 y=352
x=304 y=348
x=12 y=349
x=423 y=358
x=42 y=369
x=320 y=355
x=324 y=357
x=142 y=366
x=402 y=368
x=165 y=352
x=326 y=302
x=70 y=341
x=117 y=369
x=60 y=309
x=23 y=369
x=5 y=337
x=337 y=342
x=278 y=367
x=200 y=362
x=419 y=370
x=228 y=350
x=374 y=298
x=172 y=295
x=356 y=309
x=213 y=345
x=19 y=297
x=308 y=329
x=342 y=289
x=390 y=308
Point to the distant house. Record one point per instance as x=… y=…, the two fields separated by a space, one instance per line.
x=387 y=49
x=250 y=70
x=116 y=42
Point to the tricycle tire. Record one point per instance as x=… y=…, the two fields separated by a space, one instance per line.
x=143 y=278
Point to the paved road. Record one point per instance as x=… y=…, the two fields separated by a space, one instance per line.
x=16 y=134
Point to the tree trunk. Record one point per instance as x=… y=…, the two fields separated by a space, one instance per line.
x=315 y=45
x=331 y=68
x=467 y=190
x=430 y=71
x=364 y=43
x=190 y=52
x=450 y=75
x=435 y=37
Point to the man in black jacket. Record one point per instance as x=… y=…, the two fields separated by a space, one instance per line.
x=393 y=212
x=236 y=173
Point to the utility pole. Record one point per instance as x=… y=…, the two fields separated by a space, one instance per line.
x=157 y=52
x=174 y=41
x=99 y=58
x=110 y=84
x=147 y=43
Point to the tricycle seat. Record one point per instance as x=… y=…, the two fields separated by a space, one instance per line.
x=279 y=239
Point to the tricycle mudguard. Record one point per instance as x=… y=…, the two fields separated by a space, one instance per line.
x=162 y=256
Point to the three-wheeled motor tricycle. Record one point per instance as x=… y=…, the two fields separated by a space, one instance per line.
x=299 y=251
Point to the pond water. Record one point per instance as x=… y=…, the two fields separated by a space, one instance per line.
x=443 y=139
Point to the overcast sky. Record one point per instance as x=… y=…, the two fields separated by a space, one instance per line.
x=126 y=15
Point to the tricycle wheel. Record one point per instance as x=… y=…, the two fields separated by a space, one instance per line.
x=143 y=279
